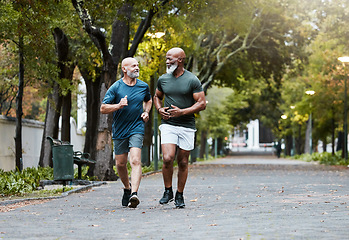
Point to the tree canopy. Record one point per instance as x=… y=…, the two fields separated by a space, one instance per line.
x=266 y=52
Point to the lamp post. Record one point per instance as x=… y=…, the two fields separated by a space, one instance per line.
x=156 y=35
x=284 y=117
x=155 y=152
x=293 y=150
x=311 y=93
x=345 y=124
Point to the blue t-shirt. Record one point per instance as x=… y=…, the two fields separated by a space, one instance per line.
x=127 y=121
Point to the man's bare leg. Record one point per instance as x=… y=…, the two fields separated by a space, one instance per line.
x=169 y=153
x=121 y=167
x=182 y=159
x=136 y=166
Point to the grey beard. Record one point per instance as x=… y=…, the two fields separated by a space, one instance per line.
x=133 y=74
x=171 y=69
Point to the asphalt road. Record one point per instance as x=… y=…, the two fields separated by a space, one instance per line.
x=241 y=197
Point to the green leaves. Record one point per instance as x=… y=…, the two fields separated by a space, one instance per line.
x=19 y=182
x=215 y=119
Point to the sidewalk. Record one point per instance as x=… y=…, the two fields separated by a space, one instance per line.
x=232 y=198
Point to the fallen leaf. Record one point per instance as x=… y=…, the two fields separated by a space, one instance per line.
x=194 y=200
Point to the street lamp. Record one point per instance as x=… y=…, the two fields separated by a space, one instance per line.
x=311 y=93
x=284 y=117
x=345 y=124
x=293 y=151
x=156 y=35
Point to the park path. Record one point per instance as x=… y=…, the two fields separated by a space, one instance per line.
x=237 y=197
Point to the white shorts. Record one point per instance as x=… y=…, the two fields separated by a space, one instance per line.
x=181 y=136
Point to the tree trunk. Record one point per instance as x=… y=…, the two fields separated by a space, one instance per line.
x=203 y=143
x=104 y=152
x=66 y=112
x=19 y=110
x=93 y=96
x=53 y=106
x=55 y=101
x=288 y=145
x=299 y=142
x=111 y=56
x=324 y=145
x=307 y=138
x=66 y=72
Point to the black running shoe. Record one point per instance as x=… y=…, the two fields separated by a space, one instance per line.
x=167 y=197
x=126 y=197
x=179 y=200
x=134 y=201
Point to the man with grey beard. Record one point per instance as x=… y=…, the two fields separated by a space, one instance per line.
x=130 y=101
x=183 y=96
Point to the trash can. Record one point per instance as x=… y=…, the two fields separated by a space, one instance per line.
x=63 y=162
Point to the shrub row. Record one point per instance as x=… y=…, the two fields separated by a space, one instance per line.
x=323 y=158
x=18 y=182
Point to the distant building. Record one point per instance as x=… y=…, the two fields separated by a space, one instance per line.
x=255 y=137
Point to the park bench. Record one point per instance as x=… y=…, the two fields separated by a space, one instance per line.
x=82 y=159
x=79 y=158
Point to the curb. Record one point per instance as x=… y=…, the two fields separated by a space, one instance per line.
x=64 y=194
x=80 y=189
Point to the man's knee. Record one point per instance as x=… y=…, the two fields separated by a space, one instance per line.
x=135 y=162
x=120 y=164
x=183 y=164
x=168 y=159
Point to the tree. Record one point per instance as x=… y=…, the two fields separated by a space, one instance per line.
x=119 y=48
x=20 y=25
x=215 y=120
x=321 y=72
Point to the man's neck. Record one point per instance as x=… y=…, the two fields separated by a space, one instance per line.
x=178 y=72
x=129 y=81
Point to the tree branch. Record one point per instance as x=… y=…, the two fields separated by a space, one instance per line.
x=96 y=34
x=143 y=27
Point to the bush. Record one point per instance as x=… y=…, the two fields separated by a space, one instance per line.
x=19 y=182
x=84 y=176
x=323 y=158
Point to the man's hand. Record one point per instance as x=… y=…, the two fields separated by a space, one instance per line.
x=164 y=113
x=145 y=116
x=123 y=102
x=175 y=111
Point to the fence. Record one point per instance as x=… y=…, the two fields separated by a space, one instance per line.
x=32 y=132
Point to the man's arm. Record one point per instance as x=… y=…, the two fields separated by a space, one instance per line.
x=147 y=108
x=109 y=108
x=199 y=105
x=158 y=104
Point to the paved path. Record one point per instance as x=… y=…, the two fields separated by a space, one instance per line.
x=267 y=198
